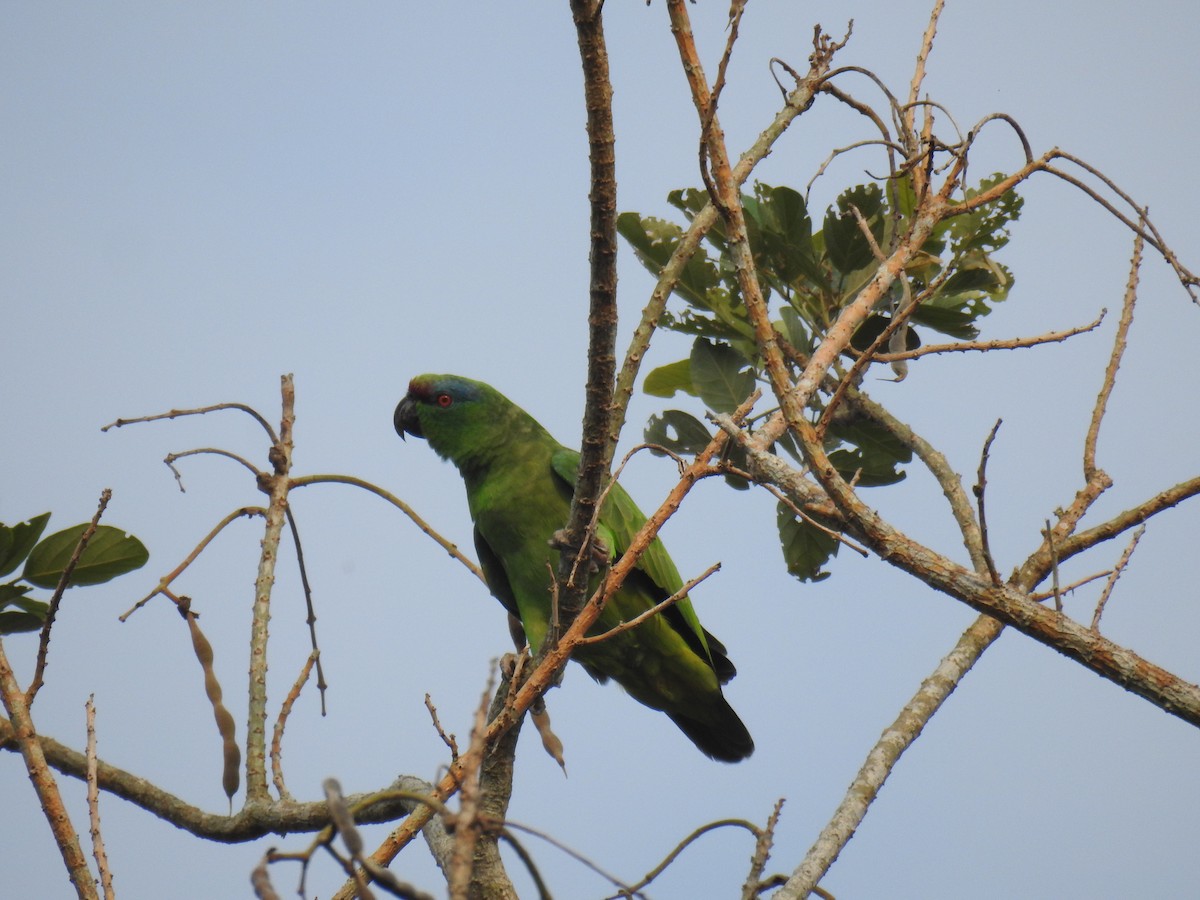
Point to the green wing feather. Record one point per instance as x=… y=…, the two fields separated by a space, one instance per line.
x=621 y=520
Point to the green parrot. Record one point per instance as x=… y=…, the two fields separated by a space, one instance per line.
x=519 y=483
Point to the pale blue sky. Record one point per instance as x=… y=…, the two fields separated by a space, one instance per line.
x=198 y=198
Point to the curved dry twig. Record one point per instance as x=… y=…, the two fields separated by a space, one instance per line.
x=636 y=889
x=166 y=581
x=448 y=546
x=171 y=458
x=199 y=411
x=1050 y=337
x=1001 y=117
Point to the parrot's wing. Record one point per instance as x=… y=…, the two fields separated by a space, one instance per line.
x=656 y=573
x=497 y=578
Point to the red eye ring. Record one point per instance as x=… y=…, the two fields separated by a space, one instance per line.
x=444 y=400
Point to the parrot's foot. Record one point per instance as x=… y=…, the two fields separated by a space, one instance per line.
x=517 y=631
x=597 y=551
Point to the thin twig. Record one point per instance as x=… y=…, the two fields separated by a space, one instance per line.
x=898 y=322
x=447 y=739
x=1035 y=567
x=657 y=608
x=914 y=90
x=1114 y=361
x=1054 y=589
x=166 y=580
x=311 y=620
x=391 y=498
x=171 y=458
x=199 y=411
x=93 y=801
x=575 y=855
x=56 y=598
x=285 y=710
x=801 y=514
x=683 y=845
x=1012 y=123
x=527 y=861
x=467 y=824
x=980 y=489
x=762 y=852
x=1049 y=337
x=1039 y=596
x=1112 y=578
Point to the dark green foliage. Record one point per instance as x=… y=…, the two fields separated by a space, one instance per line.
x=721 y=376
x=809 y=278
x=870 y=452
x=805 y=547
x=16 y=542
x=110 y=552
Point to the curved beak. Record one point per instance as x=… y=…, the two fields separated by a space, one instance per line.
x=405 y=418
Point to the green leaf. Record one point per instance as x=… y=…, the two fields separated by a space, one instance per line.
x=870 y=470
x=796 y=330
x=666 y=381
x=953 y=322
x=28 y=614
x=873 y=327
x=10 y=594
x=678 y=431
x=782 y=239
x=654 y=241
x=738 y=458
x=805 y=547
x=110 y=552
x=16 y=622
x=847 y=246
x=986 y=228
x=722 y=376
x=877 y=454
x=17 y=541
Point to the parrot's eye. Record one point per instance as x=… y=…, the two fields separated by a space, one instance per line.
x=444 y=400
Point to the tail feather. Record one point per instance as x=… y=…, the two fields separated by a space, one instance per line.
x=721 y=735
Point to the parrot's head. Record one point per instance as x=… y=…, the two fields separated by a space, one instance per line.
x=455 y=414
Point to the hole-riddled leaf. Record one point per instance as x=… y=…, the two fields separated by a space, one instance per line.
x=721 y=375
x=110 y=552
x=678 y=431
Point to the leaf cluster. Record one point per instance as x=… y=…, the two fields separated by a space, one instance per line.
x=110 y=552
x=809 y=276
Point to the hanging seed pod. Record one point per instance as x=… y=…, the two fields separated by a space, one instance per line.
x=231 y=771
